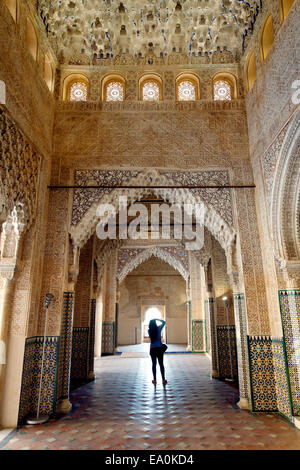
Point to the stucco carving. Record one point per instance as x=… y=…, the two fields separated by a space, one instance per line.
x=19 y=170
x=137 y=256
x=84 y=32
x=85 y=208
x=284 y=208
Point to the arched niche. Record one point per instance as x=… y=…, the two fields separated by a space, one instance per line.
x=250 y=71
x=113 y=88
x=31 y=39
x=70 y=81
x=13 y=8
x=285 y=203
x=49 y=72
x=150 y=88
x=187 y=87
x=227 y=79
x=285 y=6
x=266 y=38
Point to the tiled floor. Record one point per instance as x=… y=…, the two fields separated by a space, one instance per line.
x=122 y=410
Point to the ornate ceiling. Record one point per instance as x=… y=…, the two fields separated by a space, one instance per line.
x=97 y=29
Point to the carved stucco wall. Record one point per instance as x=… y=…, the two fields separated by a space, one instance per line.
x=27 y=96
x=128 y=259
x=269 y=114
x=140 y=134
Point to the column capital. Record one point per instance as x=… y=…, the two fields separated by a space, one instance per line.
x=291 y=272
x=7 y=269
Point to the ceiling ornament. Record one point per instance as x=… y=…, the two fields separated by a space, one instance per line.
x=89 y=31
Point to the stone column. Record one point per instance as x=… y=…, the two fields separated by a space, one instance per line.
x=189 y=319
x=242 y=351
x=108 y=337
x=9 y=415
x=117 y=319
x=91 y=353
x=211 y=303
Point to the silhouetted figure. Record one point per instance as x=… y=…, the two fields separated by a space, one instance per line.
x=156 y=348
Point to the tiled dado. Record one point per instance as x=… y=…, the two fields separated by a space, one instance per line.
x=65 y=350
x=108 y=337
x=268 y=373
x=290 y=315
x=283 y=393
x=262 y=374
x=198 y=336
x=32 y=373
x=227 y=357
x=79 y=366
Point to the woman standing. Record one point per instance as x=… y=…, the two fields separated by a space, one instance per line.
x=156 y=348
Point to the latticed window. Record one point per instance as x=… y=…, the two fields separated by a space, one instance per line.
x=114 y=91
x=222 y=90
x=78 y=91
x=150 y=91
x=186 y=91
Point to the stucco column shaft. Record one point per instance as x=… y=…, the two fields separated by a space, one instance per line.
x=213 y=333
x=13 y=351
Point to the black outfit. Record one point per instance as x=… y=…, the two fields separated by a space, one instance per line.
x=157 y=353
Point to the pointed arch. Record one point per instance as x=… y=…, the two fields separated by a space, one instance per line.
x=266 y=38
x=285 y=201
x=158 y=252
x=218 y=227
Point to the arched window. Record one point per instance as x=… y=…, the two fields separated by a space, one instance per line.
x=250 y=71
x=48 y=72
x=224 y=87
x=31 y=39
x=78 y=91
x=222 y=90
x=187 y=87
x=151 y=88
x=285 y=6
x=12 y=6
x=75 y=87
x=113 y=88
x=267 y=38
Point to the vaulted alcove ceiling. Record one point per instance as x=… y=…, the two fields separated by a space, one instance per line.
x=85 y=31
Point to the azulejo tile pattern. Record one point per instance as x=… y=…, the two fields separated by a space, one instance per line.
x=262 y=373
x=198 y=332
x=108 y=337
x=79 y=364
x=32 y=373
x=227 y=358
x=290 y=316
x=65 y=351
x=281 y=378
x=122 y=410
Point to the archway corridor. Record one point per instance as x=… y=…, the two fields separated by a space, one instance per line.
x=122 y=410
